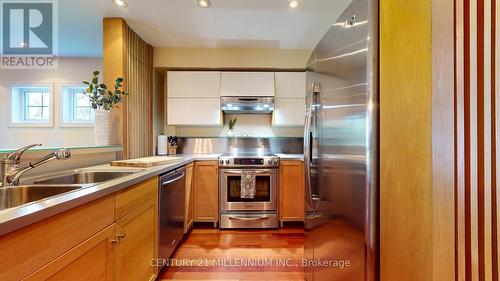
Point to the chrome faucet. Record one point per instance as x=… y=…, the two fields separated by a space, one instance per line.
x=12 y=169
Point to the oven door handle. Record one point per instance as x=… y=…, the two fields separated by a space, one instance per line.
x=239 y=172
x=248 y=218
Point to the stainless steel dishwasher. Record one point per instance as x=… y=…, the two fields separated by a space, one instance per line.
x=172 y=188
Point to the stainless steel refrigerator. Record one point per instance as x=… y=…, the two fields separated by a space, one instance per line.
x=341 y=149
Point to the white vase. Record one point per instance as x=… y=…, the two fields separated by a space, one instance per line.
x=102 y=127
x=230 y=133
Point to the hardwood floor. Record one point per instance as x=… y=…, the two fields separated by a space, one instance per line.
x=211 y=254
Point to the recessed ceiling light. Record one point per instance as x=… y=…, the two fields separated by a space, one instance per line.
x=204 y=3
x=120 y=3
x=293 y=4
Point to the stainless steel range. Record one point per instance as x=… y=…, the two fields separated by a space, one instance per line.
x=261 y=211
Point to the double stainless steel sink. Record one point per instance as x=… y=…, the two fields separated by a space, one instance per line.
x=19 y=195
x=45 y=187
x=83 y=177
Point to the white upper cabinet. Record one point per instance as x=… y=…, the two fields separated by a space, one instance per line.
x=289 y=112
x=234 y=84
x=289 y=102
x=193 y=84
x=194 y=111
x=290 y=84
x=193 y=98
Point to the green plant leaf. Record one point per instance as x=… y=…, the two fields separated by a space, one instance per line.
x=100 y=96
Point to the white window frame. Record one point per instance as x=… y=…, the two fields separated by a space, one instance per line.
x=23 y=123
x=63 y=122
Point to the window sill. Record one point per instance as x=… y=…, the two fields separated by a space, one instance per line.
x=30 y=125
x=75 y=150
x=76 y=125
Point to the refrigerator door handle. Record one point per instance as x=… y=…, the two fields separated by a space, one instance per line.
x=308 y=145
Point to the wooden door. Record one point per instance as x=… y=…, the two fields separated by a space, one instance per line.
x=206 y=184
x=188 y=220
x=291 y=191
x=93 y=259
x=137 y=246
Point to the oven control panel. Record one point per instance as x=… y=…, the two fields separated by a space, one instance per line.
x=234 y=161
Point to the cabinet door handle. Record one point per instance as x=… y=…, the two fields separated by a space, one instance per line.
x=114 y=241
x=121 y=235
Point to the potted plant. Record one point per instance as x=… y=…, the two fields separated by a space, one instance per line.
x=103 y=100
x=231 y=123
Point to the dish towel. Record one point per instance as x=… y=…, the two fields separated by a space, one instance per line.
x=247 y=189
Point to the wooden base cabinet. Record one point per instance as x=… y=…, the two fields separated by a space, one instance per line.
x=30 y=248
x=137 y=231
x=93 y=259
x=189 y=200
x=111 y=238
x=206 y=191
x=291 y=190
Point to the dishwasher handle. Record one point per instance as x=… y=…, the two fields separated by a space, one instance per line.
x=172 y=177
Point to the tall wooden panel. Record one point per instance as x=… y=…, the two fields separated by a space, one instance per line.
x=443 y=146
x=405 y=140
x=114 y=65
x=456 y=212
x=139 y=77
x=476 y=140
x=127 y=55
x=495 y=137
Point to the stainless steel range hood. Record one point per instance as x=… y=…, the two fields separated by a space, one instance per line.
x=247 y=105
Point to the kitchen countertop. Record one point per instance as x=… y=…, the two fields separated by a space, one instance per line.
x=17 y=217
x=290 y=156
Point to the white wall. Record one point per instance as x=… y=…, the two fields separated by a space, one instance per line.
x=230 y=58
x=70 y=70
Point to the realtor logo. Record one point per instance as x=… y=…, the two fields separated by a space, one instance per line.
x=29 y=34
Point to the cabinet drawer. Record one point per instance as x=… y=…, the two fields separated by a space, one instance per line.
x=28 y=249
x=133 y=197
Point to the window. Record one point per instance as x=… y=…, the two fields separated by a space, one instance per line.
x=36 y=105
x=76 y=107
x=31 y=105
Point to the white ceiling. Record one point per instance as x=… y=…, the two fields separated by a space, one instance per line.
x=182 y=23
